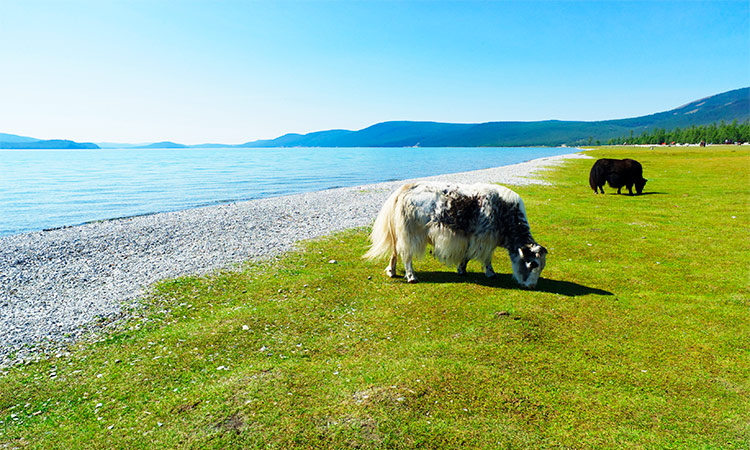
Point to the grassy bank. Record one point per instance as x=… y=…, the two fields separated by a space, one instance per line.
x=638 y=336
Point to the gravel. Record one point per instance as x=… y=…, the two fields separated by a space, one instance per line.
x=57 y=285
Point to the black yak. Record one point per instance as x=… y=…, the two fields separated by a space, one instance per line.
x=618 y=173
x=462 y=222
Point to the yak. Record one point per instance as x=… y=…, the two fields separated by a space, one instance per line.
x=618 y=173
x=461 y=222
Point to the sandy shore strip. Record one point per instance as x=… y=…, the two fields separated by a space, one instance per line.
x=55 y=284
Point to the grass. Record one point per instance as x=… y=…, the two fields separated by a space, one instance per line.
x=638 y=336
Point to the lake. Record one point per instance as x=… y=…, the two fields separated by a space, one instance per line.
x=41 y=189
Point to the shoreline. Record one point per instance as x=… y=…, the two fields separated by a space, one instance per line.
x=115 y=184
x=60 y=284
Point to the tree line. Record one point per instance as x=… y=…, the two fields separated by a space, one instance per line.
x=722 y=133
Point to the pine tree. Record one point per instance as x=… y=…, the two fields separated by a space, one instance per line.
x=712 y=134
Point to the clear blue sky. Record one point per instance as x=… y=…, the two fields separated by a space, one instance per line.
x=234 y=71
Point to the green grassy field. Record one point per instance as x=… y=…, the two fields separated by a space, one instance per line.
x=638 y=336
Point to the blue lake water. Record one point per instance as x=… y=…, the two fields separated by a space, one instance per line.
x=42 y=189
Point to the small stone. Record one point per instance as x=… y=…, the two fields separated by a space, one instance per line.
x=333 y=261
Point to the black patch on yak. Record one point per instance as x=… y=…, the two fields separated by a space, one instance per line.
x=511 y=224
x=461 y=214
x=464 y=214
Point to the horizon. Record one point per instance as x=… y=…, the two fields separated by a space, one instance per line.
x=234 y=72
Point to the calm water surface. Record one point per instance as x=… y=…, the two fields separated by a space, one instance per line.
x=41 y=189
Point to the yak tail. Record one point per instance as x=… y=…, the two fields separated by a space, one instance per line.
x=592 y=178
x=383 y=235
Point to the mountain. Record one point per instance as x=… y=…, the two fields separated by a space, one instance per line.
x=4 y=137
x=212 y=146
x=164 y=144
x=728 y=106
x=119 y=145
x=12 y=141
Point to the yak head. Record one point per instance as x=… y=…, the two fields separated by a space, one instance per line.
x=528 y=262
x=639 y=185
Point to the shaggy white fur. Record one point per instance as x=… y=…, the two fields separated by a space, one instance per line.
x=461 y=222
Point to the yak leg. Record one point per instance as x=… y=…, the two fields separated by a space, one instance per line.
x=488 y=269
x=409 y=270
x=630 y=189
x=462 y=267
x=391 y=269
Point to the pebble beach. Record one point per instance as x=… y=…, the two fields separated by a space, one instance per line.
x=57 y=285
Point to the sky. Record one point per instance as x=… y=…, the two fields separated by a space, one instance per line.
x=230 y=72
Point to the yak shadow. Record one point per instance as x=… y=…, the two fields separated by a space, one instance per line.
x=568 y=288
x=506 y=281
x=625 y=194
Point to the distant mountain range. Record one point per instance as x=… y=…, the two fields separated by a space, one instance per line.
x=728 y=106
x=164 y=144
x=12 y=141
